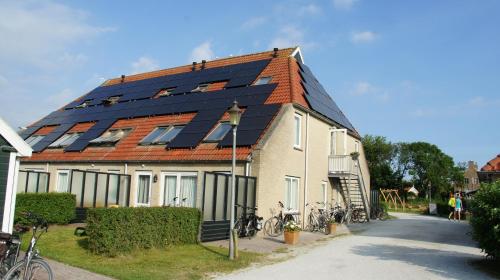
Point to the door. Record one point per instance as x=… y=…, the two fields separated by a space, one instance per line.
x=143 y=185
x=179 y=189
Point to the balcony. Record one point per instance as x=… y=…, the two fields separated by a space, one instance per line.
x=340 y=164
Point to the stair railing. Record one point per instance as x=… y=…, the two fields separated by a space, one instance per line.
x=366 y=202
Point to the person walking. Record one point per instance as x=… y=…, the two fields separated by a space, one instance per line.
x=451 y=204
x=458 y=205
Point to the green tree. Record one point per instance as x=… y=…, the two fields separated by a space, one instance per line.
x=379 y=153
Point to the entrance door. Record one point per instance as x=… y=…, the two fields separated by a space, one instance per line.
x=179 y=189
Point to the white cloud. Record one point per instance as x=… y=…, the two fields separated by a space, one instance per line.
x=367 y=89
x=63 y=97
x=144 y=64
x=310 y=10
x=254 y=22
x=35 y=32
x=477 y=101
x=343 y=4
x=290 y=36
x=202 y=51
x=363 y=37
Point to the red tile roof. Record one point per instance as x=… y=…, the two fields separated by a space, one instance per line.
x=492 y=165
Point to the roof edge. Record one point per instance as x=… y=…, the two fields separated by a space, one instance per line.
x=14 y=139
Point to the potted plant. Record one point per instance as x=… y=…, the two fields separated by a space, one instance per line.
x=355 y=155
x=331 y=226
x=292 y=231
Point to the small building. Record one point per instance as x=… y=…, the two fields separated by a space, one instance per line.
x=163 y=139
x=490 y=172
x=471 y=179
x=12 y=149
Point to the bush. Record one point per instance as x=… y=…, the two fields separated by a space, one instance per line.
x=56 y=208
x=443 y=208
x=112 y=231
x=485 y=220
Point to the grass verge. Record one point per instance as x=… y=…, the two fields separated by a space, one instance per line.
x=193 y=261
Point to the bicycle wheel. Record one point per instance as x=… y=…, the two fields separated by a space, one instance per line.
x=310 y=223
x=38 y=269
x=273 y=227
x=238 y=228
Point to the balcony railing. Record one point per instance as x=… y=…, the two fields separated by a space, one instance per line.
x=340 y=164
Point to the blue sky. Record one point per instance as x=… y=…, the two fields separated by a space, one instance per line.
x=407 y=70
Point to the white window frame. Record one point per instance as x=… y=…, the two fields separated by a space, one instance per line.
x=356 y=146
x=297 y=199
x=62 y=171
x=333 y=143
x=297 y=130
x=137 y=175
x=178 y=176
x=215 y=129
x=324 y=190
x=260 y=81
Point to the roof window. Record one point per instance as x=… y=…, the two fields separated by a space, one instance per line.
x=263 y=80
x=162 y=135
x=201 y=88
x=84 y=104
x=219 y=132
x=33 y=139
x=110 y=137
x=165 y=92
x=111 y=100
x=65 y=140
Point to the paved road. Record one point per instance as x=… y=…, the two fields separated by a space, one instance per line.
x=410 y=247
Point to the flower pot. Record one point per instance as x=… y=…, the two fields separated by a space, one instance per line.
x=291 y=237
x=332 y=228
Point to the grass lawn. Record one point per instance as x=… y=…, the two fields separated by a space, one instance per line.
x=176 y=262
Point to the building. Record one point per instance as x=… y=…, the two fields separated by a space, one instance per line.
x=162 y=138
x=471 y=180
x=490 y=172
x=12 y=148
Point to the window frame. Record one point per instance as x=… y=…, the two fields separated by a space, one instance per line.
x=215 y=129
x=324 y=189
x=68 y=187
x=258 y=83
x=297 y=129
x=165 y=92
x=38 y=138
x=178 y=175
x=297 y=199
x=202 y=87
x=167 y=130
x=108 y=143
x=61 y=143
x=138 y=174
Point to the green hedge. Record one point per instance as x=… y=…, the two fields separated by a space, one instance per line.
x=113 y=231
x=56 y=208
x=485 y=220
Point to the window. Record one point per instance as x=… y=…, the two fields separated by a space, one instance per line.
x=466 y=181
x=324 y=194
x=179 y=189
x=298 y=132
x=84 y=103
x=356 y=146
x=162 y=135
x=476 y=180
x=219 y=132
x=34 y=139
x=143 y=185
x=111 y=100
x=65 y=140
x=62 y=184
x=110 y=137
x=333 y=143
x=291 y=194
x=165 y=92
x=201 y=88
x=263 y=81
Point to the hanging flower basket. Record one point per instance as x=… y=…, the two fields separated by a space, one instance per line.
x=355 y=155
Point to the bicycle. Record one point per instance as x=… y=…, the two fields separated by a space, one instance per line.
x=248 y=225
x=379 y=213
x=10 y=245
x=317 y=218
x=32 y=267
x=275 y=225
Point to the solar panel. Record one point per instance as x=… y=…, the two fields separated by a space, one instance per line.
x=51 y=137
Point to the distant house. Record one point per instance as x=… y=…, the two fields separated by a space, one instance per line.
x=471 y=179
x=163 y=138
x=12 y=148
x=490 y=172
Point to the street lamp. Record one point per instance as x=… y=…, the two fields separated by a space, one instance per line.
x=234 y=120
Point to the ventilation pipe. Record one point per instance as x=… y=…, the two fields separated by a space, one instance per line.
x=123 y=79
x=203 y=62
x=275 y=53
x=194 y=66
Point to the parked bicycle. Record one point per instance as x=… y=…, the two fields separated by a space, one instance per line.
x=318 y=218
x=379 y=213
x=274 y=226
x=248 y=225
x=10 y=245
x=32 y=267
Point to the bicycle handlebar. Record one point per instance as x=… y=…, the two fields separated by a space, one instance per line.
x=37 y=220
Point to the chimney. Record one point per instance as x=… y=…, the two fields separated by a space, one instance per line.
x=275 y=54
x=203 y=62
x=123 y=79
x=194 y=66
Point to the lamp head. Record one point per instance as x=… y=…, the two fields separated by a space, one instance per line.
x=234 y=114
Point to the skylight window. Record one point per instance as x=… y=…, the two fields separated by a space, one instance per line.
x=84 y=104
x=165 y=92
x=263 y=81
x=65 y=140
x=111 y=100
x=201 y=88
x=219 y=132
x=162 y=135
x=110 y=137
x=34 y=139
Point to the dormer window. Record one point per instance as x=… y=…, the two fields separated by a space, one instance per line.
x=201 y=88
x=162 y=135
x=165 y=92
x=65 y=140
x=263 y=80
x=219 y=132
x=111 y=100
x=84 y=104
x=110 y=137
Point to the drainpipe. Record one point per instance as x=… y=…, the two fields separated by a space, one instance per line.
x=126 y=168
x=47 y=167
x=248 y=168
x=306 y=168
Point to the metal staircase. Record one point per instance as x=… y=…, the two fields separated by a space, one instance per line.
x=352 y=186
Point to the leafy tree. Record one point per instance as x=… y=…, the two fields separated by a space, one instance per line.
x=379 y=153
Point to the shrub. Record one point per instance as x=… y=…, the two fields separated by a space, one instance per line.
x=443 y=208
x=56 y=208
x=485 y=220
x=112 y=231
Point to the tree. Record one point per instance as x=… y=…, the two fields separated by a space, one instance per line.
x=379 y=153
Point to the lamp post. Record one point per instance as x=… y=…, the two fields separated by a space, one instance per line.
x=234 y=120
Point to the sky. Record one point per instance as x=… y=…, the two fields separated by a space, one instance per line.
x=407 y=70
